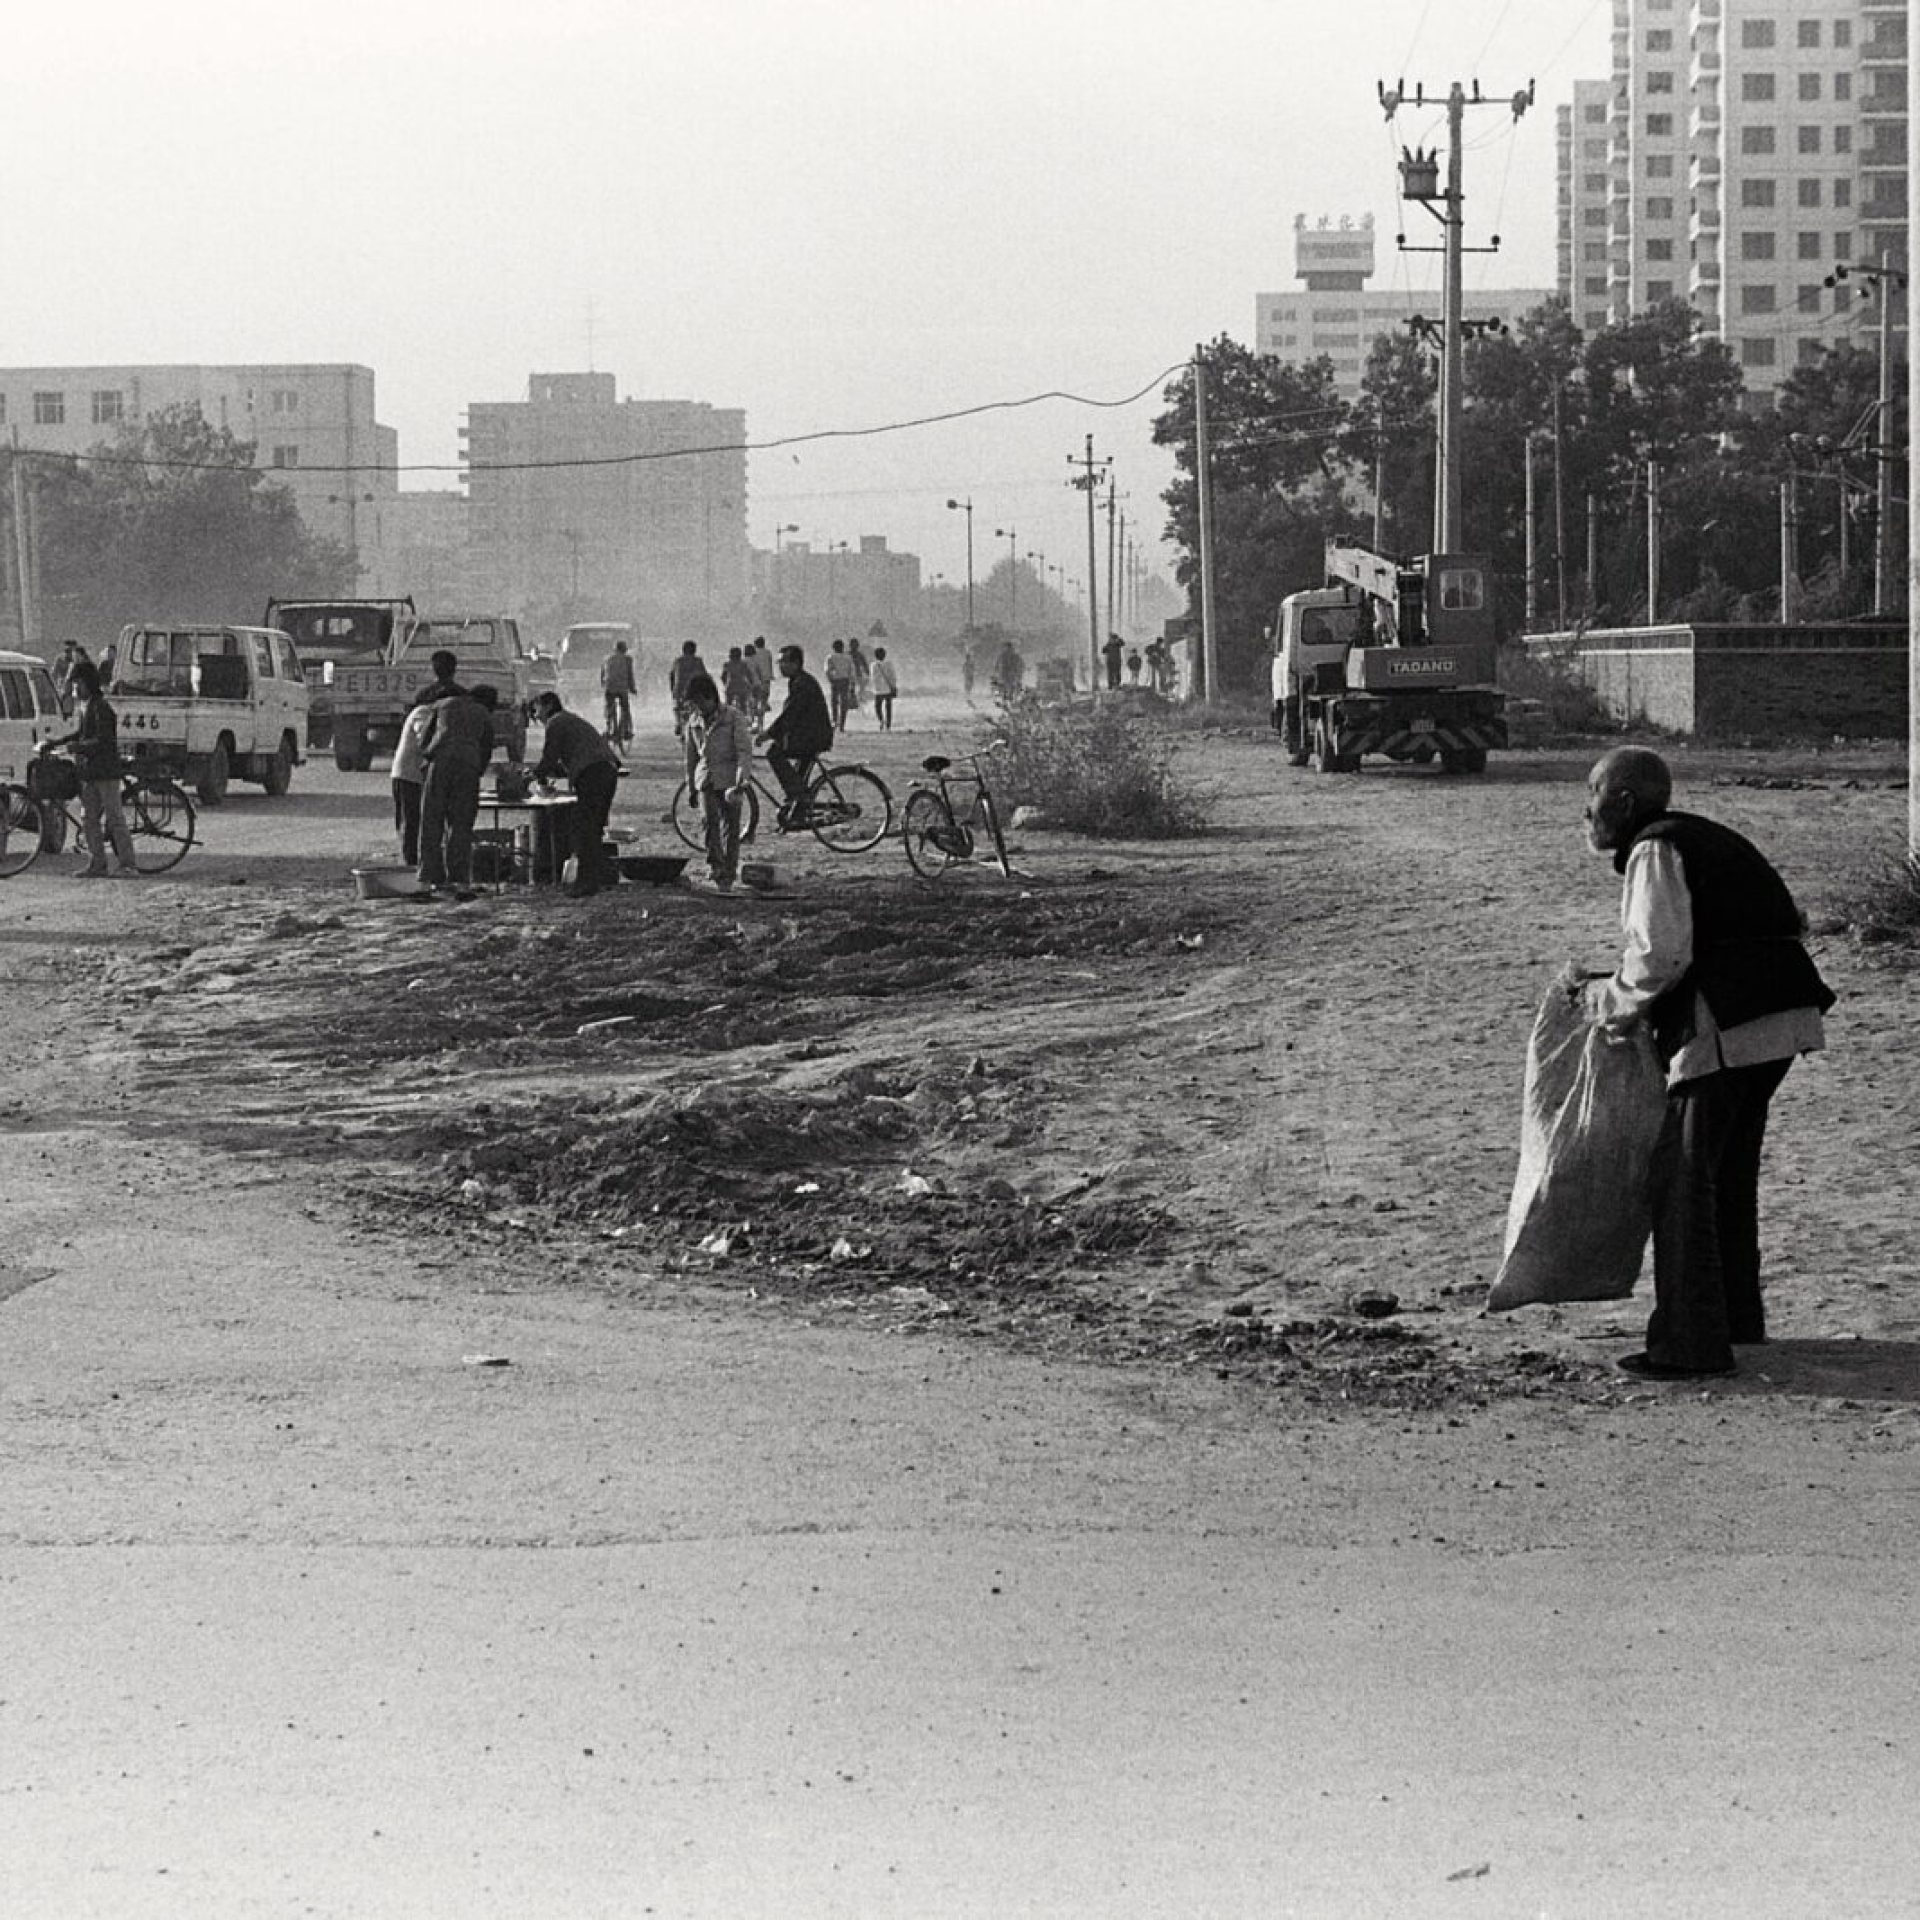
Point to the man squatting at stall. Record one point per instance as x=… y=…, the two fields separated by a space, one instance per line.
x=1714 y=964
x=576 y=748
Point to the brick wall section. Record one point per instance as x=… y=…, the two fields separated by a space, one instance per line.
x=1731 y=683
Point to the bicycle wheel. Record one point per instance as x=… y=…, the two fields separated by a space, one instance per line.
x=990 y=814
x=931 y=835
x=160 y=819
x=690 y=822
x=850 y=809
x=22 y=831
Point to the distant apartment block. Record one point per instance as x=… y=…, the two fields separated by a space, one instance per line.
x=1334 y=313
x=313 y=428
x=843 y=590
x=1753 y=147
x=583 y=505
x=1583 y=204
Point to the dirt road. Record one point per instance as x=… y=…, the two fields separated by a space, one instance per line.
x=1050 y=1540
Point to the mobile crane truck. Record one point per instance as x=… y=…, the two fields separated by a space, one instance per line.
x=1393 y=657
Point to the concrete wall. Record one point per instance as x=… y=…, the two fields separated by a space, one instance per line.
x=1744 y=682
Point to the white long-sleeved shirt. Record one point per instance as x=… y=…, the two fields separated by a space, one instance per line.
x=1656 y=922
x=723 y=748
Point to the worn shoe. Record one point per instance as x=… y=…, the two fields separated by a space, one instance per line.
x=1643 y=1366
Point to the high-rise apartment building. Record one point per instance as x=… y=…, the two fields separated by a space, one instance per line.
x=1584 y=148
x=311 y=426
x=583 y=505
x=1754 y=147
x=1336 y=315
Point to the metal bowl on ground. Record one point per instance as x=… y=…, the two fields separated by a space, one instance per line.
x=652 y=869
x=760 y=875
x=386 y=883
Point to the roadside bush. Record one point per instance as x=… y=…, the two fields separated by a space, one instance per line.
x=1094 y=769
x=1884 y=906
x=1571 y=705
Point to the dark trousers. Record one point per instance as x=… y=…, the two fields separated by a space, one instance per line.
x=883 y=711
x=1706 y=1217
x=721 y=810
x=593 y=789
x=840 y=694
x=406 y=819
x=449 y=799
x=791 y=772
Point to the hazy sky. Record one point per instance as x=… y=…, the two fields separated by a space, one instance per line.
x=833 y=213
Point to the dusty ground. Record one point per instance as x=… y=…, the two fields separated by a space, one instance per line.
x=1173 y=1107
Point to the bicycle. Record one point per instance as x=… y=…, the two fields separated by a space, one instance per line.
x=160 y=820
x=848 y=809
x=938 y=834
x=618 y=731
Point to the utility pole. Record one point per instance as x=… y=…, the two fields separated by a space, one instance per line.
x=1883 y=447
x=1420 y=180
x=1559 y=509
x=1789 y=550
x=1379 y=476
x=1653 y=543
x=1203 y=476
x=1013 y=574
x=1087 y=480
x=1113 y=603
x=1593 y=557
x=24 y=569
x=1533 y=572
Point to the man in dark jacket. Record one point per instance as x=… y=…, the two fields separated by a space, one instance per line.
x=96 y=753
x=800 y=732
x=458 y=745
x=1713 y=964
x=576 y=748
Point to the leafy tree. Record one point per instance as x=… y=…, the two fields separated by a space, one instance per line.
x=1391 y=436
x=173 y=521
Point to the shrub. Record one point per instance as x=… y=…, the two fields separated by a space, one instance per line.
x=1885 y=905
x=1571 y=705
x=1093 y=768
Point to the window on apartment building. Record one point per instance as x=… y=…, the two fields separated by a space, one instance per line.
x=1593 y=217
x=1808 y=247
x=1659 y=249
x=1659 y=206
x=1757 y=86
x=1590 y=251
x=49 y=409
x=1595 y=283
x=1842 y=82
x=109 y=406
x=1843 y=245
x=1659 y=166
x=1596 y=183
x=1596 y=149
x=1659 y=125
x=1756 y=353
x=1807 y=298
x=1756 y=193
x=1756 y=246
x=1595 y=113
x=1660 y=80
x=288 y=456
x=1756 y=35
x=284 y=400
x=1759 y=300
x=1660 y=40
x=1756 y=139
x=1808 y=352
x=1843 y=139
x=1809 y=34
x=1843 y=193
x=1659 y=290
x=1843 y=33
x=1807 y=139
x=1807 y=192
x=1808 y=86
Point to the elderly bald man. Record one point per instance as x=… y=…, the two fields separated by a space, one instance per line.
x=1712 y=962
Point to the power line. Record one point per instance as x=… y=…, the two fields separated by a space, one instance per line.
x=97 y=458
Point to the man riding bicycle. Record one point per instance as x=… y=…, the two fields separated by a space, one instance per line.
x=800 y=732
x=617 y=683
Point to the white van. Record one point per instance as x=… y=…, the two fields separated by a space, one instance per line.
x=29 y=713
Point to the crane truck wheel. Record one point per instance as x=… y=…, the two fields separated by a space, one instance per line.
x=1323 y=759
x=1463 y=760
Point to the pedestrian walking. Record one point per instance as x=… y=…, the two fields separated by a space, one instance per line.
x=721 y=772
x=1134 y=664
x=679 y=676
x=1112 y=653
x=886 y=684
x=839 y=684
x=1713 y=963
x=96 y=751
x=737 y=681
x=571 y=749
x=761 y=661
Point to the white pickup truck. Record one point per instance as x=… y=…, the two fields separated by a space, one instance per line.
x=211 y=704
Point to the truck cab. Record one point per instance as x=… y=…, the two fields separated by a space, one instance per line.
x=1313 y=637
x=330 y=634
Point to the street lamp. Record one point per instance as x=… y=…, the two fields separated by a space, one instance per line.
x=966 y=507
x=835 y=548
x=1013 y=574
x=786 y=527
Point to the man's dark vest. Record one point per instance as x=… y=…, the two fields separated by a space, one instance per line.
x=1747 y=956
